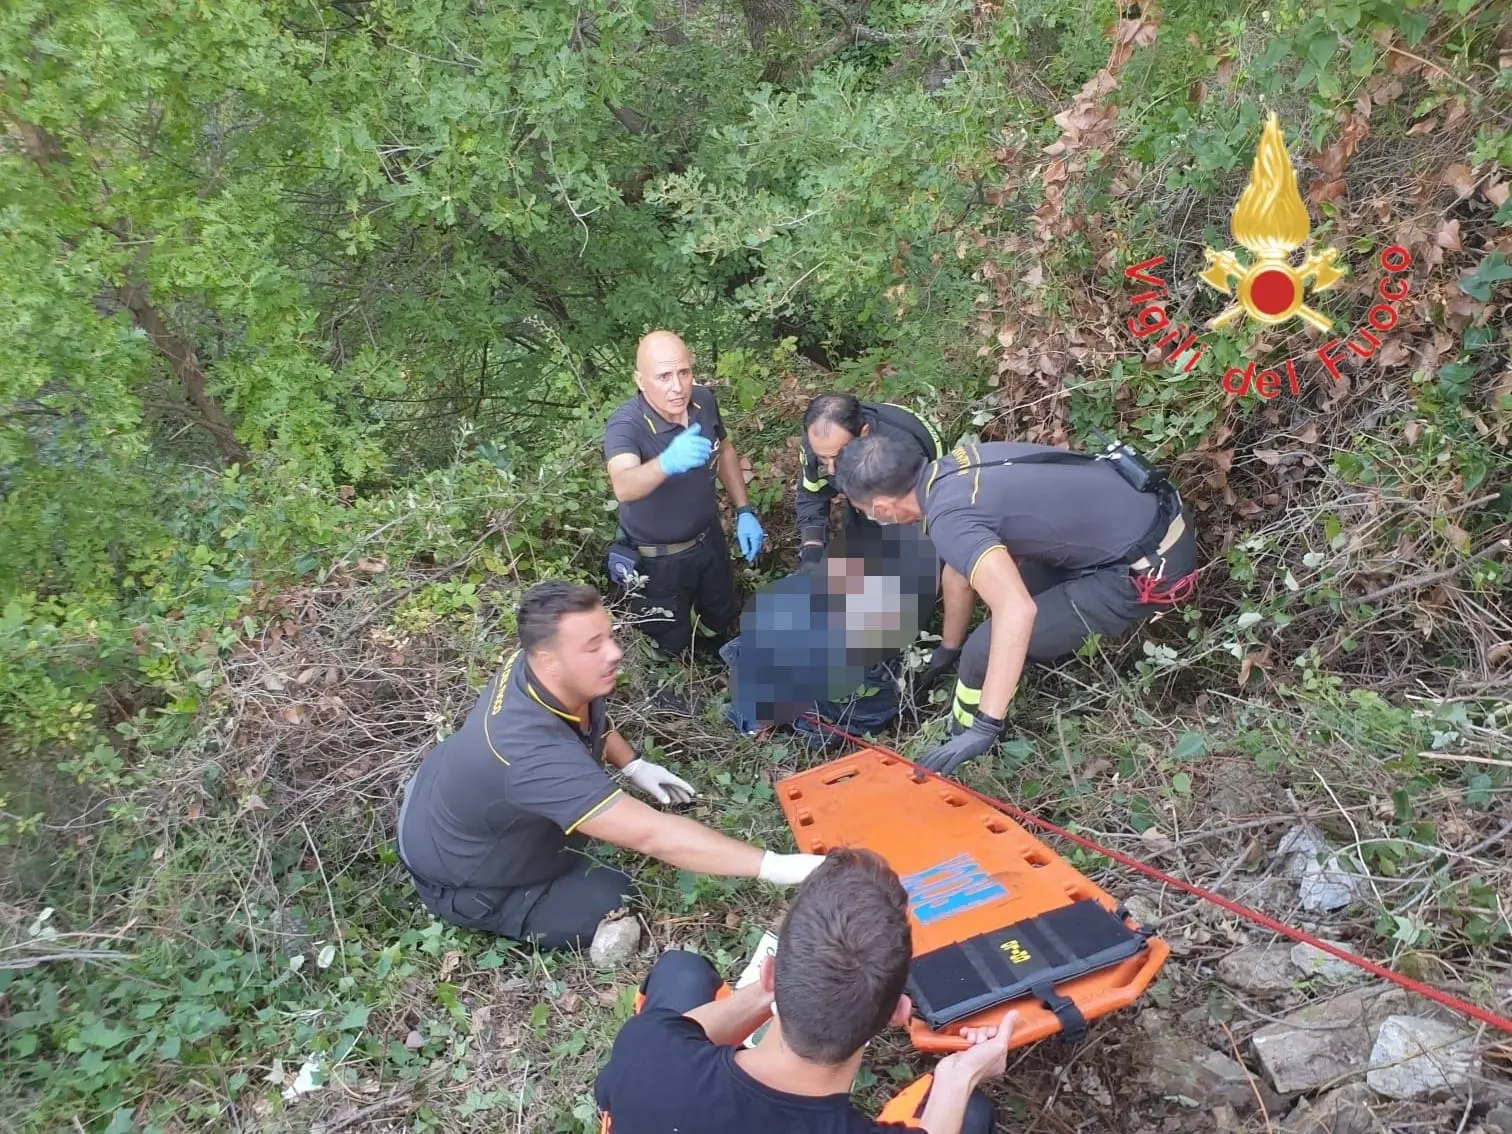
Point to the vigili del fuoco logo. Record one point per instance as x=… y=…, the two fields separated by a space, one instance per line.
x=1270 y=222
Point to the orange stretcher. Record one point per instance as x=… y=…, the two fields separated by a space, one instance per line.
x=999 y=919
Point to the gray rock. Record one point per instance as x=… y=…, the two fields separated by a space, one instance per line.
x=615 y=942
x=1183 y=1069
x=1226 y=1120
x=1143 y=911
x=1418 y=1058
x=1258 y=969
x=1323 y=1044
x=1325 y=966
x=1344 y=1111
x=1498 y=1120
x=1323 y=882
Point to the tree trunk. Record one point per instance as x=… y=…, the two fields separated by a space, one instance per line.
x=44 y=150
x=763 y=17
x=187 y=369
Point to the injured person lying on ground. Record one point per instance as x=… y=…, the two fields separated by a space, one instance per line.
x=828 y=641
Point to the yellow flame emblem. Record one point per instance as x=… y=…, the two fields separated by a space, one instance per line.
x=1270 y=220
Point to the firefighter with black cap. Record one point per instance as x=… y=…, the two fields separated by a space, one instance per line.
x=1059 y=545
x=831 y=422
x=663 y=449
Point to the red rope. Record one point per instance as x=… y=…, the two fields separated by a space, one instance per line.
x=1461 y=1006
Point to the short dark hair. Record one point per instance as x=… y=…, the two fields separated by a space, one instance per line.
x=843 y=410
x=879 y=464
x=842 y=956
x=542 y=607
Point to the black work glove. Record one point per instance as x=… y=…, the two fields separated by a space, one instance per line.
x=979 y=738
x=940 y=663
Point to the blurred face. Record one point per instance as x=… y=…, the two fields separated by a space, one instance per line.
x=664 y=374
x=582 y=662
x=846 y=576
x=826 y=439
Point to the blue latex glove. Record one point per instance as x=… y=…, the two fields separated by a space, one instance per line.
x=689 y=450
x=749 y=531
x=979 y=738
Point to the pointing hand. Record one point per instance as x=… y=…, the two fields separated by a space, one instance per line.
x=689 y=450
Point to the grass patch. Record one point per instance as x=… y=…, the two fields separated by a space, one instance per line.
x=250 y=917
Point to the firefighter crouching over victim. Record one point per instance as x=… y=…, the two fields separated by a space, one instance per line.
x=1059 y=545
x=495 y=822
x=662 y=449
x=831 y=422
x=836 y=982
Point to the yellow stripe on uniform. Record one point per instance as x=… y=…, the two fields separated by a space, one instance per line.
x=605 y=802
x=813 y=485
x=971 y=575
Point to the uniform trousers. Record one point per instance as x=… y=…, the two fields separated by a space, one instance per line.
x=1069 y=605
x=560 y=913
x=698 y=580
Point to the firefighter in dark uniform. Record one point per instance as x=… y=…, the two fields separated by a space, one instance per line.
x=495 y=823
x=1058 y=545
x=831 y=422
x=663 y=449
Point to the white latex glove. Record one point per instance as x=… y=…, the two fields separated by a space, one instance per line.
x=787 y=869
x=660 y=784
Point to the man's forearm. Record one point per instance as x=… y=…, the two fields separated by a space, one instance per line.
x=617 y=750
x=813 y=511
x=692 y=846
x=959 y=599
x=949 y=1094
x=731 y=1020
x=637 y=482
x=1008 y=648
x=731 y=474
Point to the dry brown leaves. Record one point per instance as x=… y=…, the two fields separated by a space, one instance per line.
x=1086 y=125
x=1332 y=159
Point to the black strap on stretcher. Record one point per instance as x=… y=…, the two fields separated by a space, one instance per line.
x=1028 y=958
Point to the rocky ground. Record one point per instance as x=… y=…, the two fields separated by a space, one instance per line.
x=1248 y=1032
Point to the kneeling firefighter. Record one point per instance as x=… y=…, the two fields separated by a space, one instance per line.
x=1059 y=545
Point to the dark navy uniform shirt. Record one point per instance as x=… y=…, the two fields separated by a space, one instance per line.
x=665 y=1075
x=491 y=806
x=815 y=488
x=1073 y=515
x=682 y=506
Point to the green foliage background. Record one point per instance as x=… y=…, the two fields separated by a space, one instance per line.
x=288 y=285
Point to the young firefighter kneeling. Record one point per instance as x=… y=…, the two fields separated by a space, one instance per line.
x=495 y=824
x=835 y=984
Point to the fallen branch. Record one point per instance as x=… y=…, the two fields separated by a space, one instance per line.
x=68 y=955
x=367 y=1112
